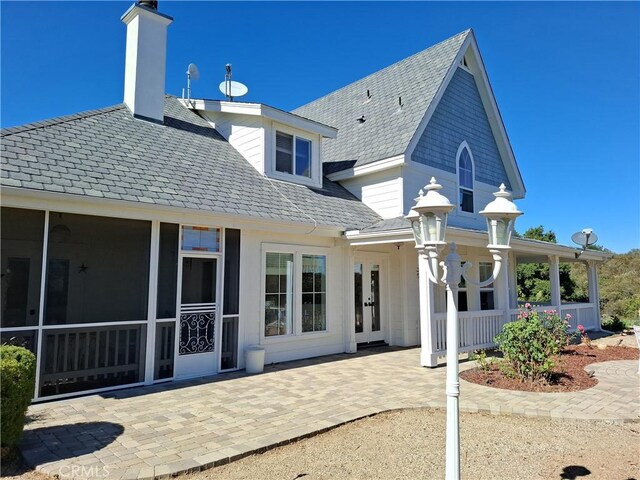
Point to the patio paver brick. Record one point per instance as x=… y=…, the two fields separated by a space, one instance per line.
x=162 y=430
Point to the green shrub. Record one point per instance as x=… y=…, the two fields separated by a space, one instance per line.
x=613 y=324
x=17 y=383
x=529 y=344
x=480 y=356
x=557 y=327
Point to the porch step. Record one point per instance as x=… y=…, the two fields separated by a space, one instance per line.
x=379 y=343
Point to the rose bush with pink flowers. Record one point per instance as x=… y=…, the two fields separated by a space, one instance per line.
x=529 y=344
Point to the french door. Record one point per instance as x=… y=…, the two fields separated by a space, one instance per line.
x=368 y=300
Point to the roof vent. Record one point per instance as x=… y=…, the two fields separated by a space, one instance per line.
x=153 y=5
x=400 y=105
x=368 y=98
x=361 y=119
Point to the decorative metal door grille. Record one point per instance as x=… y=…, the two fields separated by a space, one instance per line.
x=197 y=325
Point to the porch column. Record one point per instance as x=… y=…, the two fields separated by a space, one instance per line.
x=427 y=327
x=512 y=271
x=501 y=286
x=554 y=278
x=154 y=252
x=349 y=314
x=594 y=291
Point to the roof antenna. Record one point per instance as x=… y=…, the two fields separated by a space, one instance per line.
x=230 y=88
x=584 y=238
x=192 y=74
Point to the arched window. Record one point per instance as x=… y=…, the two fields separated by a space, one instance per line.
x=465 y=179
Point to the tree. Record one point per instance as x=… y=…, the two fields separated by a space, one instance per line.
x=533 y=278
x=620 y=286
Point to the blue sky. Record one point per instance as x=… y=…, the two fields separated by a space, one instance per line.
x=566 y=77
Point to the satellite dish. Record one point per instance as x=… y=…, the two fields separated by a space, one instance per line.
x=192 y=72
x=233 y=89
x=584 y=238
x=230 y=88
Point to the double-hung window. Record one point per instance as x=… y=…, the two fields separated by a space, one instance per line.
x=295 y=293
x=278 y=301
x=486 y=293
x=293 y=155
x=463 y=304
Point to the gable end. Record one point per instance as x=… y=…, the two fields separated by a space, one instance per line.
x=460 y=116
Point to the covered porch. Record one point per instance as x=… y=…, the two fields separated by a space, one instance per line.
x=483 y=311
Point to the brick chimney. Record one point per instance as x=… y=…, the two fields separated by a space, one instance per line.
x=146 y=59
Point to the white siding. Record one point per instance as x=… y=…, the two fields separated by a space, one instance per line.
x=381 y=191
x=280 y=349
x=411 y=296
x=245 y=133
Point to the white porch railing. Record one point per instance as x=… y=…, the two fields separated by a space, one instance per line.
x=479 y=328
x=581 y=314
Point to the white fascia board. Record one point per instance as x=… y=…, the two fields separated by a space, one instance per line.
x=259 y=109
x=524 y=245
x=367 y=169
x=106 y=207
x=495 y=120
x=476 y=238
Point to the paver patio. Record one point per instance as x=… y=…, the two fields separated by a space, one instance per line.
x=172 y=428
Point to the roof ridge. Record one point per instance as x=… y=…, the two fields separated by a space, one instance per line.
x=404 y=60
x=58 y=120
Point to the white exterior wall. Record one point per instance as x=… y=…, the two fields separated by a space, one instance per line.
x=297 y=346
x=380 y=191
x=416 y=176
x=411 y=287
x=245 y=133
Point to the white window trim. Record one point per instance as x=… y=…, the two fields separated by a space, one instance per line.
x=315 y=180
x=459 y=210
x=298 y=251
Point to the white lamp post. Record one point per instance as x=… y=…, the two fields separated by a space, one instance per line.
x=429 y=223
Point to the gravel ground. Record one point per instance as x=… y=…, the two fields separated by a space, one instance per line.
x=410 y=445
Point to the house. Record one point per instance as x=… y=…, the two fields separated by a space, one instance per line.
x=156 y=239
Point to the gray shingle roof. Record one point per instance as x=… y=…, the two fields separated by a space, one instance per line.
x=388 y=224
x=183 y=163
x=387 y=130
x=401 y=223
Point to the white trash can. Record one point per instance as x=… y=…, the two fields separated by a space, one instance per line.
x=254 y=359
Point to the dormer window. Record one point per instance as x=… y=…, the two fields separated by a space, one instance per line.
x=465 y=178
x=293 y=155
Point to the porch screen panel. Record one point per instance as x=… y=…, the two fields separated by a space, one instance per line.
x=231 y=271
x=97 y=269
x=78 y=359
x=21 y=246
x=167 y=270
